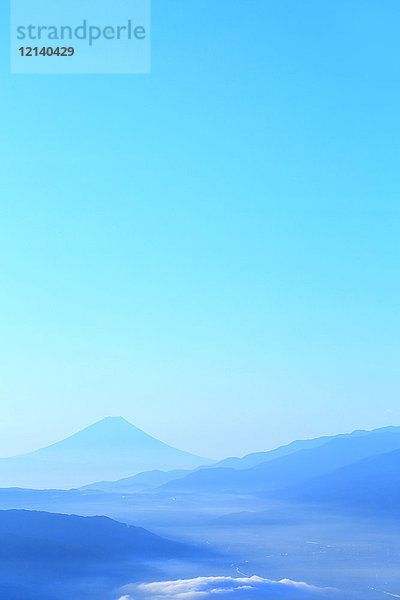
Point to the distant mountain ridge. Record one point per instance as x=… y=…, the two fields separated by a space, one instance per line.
x=255 y=458
x=283 y=472
x=110 y=449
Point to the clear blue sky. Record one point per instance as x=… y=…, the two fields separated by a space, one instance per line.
x=211 y=251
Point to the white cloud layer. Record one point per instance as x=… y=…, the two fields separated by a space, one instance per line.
x=222 y=588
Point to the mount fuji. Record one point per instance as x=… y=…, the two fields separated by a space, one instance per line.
x=110 y=449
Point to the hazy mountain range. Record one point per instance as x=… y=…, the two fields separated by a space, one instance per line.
x=318 y=470
x=255 y=458
x=286 y=471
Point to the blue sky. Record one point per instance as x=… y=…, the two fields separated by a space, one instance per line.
x=211 y=251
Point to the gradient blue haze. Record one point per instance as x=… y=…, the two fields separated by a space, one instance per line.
x=211 y=251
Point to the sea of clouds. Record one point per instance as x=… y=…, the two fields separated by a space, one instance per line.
x=223 y=588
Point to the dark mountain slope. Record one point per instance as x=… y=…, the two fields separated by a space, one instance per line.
x=39 y=536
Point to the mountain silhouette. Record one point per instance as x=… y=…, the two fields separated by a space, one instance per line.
x=44 y=556
x=110 y=449
x=37 y=535
x=293 y=469
x=256 y=458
